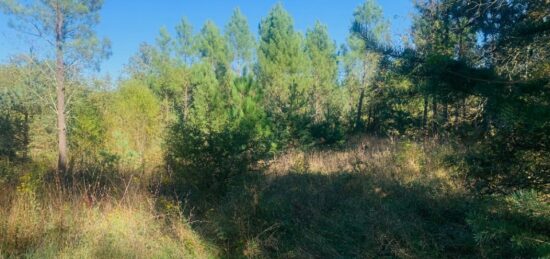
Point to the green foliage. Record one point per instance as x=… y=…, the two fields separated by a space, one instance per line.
x=515 y=225
x=282 y=73
x=363 y=63
x=14 y=131
x=134 y=125
x=324 y=103
x=209 y=118
x=14 y=113
x=88 y=129
x=369 y=25
x=509 y=161
x=210 y=99
x=241 y=40
x=79 y=42
x=214 y=51
x=219 y=142
x=23 y=102
x=185 y=40
x=498 y=110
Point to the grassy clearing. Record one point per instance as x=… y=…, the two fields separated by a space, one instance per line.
x=373 y=198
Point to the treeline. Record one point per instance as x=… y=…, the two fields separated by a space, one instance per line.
x=211 y=104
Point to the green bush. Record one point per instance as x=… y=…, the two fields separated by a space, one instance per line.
x=207 y=154
x=509 y=161
x=207 y=162
x=511 y=226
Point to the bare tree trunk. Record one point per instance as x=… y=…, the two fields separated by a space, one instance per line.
x=60 y=93
x=434 y=115
x=359 y=109
x=425 y=114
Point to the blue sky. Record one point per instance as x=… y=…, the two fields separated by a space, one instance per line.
x=129 y=23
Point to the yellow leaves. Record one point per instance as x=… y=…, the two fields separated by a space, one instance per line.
x=134 y=125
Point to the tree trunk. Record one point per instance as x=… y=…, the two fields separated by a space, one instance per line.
x=359 y=110
x=434 y=115
x=425 y=113
x=60 y=93
x=369 y=118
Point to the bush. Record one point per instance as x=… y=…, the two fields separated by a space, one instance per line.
x=208 y=161
x=511 y=226
x=217 y=142
x=508 y=162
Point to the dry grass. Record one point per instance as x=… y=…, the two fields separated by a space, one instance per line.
x=35 y=227
x=372 y=198
x=360 y=152
x=405 y=160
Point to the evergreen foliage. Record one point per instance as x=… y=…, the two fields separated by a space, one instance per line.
x=285 y=145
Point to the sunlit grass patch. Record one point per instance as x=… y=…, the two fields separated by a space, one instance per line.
x=110 y=229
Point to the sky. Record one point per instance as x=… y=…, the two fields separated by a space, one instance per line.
x=129 y=23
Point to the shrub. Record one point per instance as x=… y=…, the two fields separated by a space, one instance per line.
x=509 y=162
x=208 y=161
x=207 y=154
x=514 y=225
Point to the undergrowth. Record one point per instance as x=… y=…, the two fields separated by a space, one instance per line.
x=372 y=198
x=34 y=224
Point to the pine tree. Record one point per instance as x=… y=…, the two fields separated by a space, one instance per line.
x=241 y=41
x=185 y=42
x=282 y=72
x=209 y=111
x=214 y=50
x=67 y=28
x=321 y=52
x=369 y=34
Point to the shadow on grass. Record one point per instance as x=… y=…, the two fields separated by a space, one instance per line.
x=344 y=215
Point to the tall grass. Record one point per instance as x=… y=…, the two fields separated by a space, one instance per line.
x=35 y=225
x=373 y=198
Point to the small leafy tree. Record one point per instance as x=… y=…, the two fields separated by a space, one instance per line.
x=135 y=126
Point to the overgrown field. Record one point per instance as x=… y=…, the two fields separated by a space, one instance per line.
x=218 y=141
x=37 y=221
x=373 y=198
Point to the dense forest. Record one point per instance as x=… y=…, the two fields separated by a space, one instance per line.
x=228 y=143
